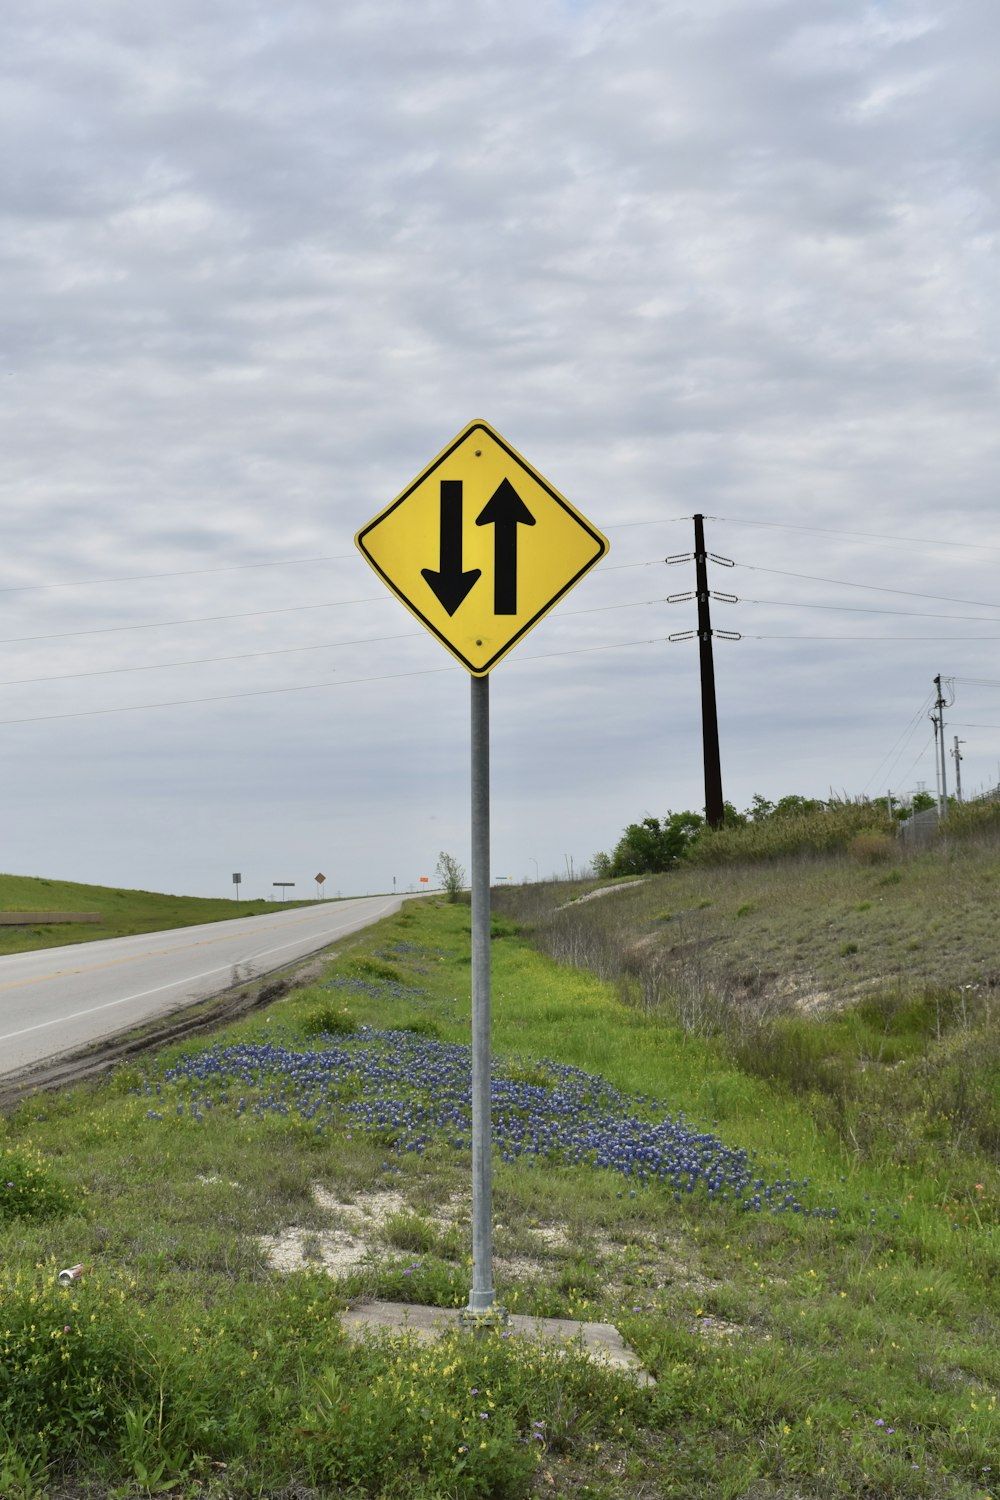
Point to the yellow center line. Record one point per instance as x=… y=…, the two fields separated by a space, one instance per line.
x=131 y=958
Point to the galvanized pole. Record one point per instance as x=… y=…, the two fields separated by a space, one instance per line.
x=481 y=1297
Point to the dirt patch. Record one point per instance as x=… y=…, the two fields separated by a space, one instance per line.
x=604 y=890
x=356 y=1238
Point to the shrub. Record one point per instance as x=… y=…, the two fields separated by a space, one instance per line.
x=28 y=1188
x=652 y=846
x=330 y=1020
x=451 y=875
x=808 y=832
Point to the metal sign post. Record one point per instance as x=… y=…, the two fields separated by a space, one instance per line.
x=480 y=547
x=481 y=1297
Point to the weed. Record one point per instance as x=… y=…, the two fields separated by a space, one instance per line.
x=871 y=848
x=29 y=1189
x=329 y=1020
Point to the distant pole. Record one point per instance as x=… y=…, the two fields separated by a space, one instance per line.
x=942 y=755
x=937 y=763
x=958 y=768
x=715 y=811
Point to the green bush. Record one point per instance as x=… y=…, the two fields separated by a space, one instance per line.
x=833 y=829
x=329 y=1019
x=652 y=846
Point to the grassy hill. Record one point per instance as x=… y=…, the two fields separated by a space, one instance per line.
x=811 y=932
x=122 y=912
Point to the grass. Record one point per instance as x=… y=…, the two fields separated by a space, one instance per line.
x=123 y=913
x=851 y=1354
x=816 y=931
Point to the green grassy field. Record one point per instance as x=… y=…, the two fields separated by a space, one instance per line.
x=122 y=912
x=840 y=1341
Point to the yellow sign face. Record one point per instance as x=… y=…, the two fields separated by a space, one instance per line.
x=480 y=547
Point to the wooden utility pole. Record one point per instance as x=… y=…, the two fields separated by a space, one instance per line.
x=714 y=805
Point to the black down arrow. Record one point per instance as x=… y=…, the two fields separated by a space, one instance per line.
x=450 y=584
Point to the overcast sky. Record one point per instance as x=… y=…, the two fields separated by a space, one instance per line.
x=261 y=262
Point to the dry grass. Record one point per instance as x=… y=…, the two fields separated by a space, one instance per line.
x=808 y=934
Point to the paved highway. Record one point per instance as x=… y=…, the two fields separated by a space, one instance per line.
x=55 y=999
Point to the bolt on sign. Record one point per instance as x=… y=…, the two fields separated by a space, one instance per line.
x=480 y=547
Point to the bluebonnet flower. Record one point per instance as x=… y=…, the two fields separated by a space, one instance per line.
x=413 y=1091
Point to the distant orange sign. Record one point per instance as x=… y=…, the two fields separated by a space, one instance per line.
x=424 y=879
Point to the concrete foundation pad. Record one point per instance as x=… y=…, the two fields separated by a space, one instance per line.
x=601 y=1341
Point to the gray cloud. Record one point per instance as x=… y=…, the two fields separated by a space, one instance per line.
x=261 y=265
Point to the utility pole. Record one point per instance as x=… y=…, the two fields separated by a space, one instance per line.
x=939 y=750
x=714 y=807
x=958 y=768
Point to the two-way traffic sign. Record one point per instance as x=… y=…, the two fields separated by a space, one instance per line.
x=480 y=547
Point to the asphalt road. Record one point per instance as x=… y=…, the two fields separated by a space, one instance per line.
x=57 y=999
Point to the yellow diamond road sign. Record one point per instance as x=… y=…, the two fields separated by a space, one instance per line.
x=480 y=547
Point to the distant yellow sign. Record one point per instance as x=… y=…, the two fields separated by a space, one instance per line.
x=480 y=547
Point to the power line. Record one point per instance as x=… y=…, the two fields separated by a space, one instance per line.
x=252 y=614
x=281 y=562
x=899 y=640
x=304 y=687
x=201 y=661
x=870 y=609
x=919 y=757
x=875 y=588
x=874 y=536
x=666 y=521
x=893 y=755
x=80 y=583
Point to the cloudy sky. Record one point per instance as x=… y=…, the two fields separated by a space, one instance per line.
x=261 y=262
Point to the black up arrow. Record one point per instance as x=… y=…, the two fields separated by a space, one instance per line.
x=506 y=511
x=451 y=585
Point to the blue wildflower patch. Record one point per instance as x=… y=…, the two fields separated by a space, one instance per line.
x=412 y=1091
